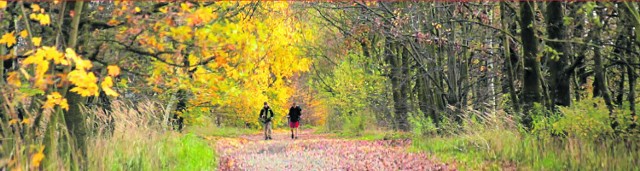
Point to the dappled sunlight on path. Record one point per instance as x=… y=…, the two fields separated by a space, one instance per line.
x=319 y=152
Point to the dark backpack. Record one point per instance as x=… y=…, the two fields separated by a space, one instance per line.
x=264 y=115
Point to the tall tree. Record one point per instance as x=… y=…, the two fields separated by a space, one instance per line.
x=559 y=82
x=531 y=91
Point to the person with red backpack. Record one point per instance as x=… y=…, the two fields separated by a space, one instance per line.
x=295 y=113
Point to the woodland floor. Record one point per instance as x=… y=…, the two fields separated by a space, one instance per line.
x=320 y=152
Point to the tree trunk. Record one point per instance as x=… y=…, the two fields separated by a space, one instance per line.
x=531 y=90
x=396 y=61
x=74 y=118
x=559 y=83
x=511 y=60
x=600 y=81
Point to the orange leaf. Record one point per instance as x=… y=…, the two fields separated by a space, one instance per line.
x=113 y=70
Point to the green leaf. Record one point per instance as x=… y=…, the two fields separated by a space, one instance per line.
x=31 y=91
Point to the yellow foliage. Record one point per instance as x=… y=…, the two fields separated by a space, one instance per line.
x=13 y=79
x=36 y=41
x=3 y=4
x=37 y=158
x=113 y=70
x=44 y=19
x=81 y=64
x=35 y=7
x=113 y=22
x=85 y=82
x=24 y=33
x=107 y=83
x=53 y=99
x=9 y=39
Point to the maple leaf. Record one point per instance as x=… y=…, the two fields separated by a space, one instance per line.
x=13 y=79
x=52 y=99
x=113 y=70
x=3 y=4
x=113 y=22
x=9 y=39
x=24 y=34
x=64 y=105
x=35 y=7
x=44 y=19
x=26 y=121
x=85 y=82
x=36 y=41
x=37 y=158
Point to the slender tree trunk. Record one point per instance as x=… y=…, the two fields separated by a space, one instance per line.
x=74 y=118
x=632 y=92
x=600 y=80
x=511 y=59
x=532 y=89
x=559 y=83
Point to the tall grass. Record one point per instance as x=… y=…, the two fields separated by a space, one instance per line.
x=497 y=142
x=131 y=137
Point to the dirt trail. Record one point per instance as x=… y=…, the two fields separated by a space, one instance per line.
x=319 y=152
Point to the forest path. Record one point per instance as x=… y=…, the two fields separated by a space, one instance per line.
x=319 y=152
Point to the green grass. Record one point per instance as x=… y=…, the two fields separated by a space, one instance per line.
x=497 y=149
x=168 y=151
x=371 y=135
x=221 y=131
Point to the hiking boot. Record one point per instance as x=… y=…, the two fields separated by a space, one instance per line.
x=292 y=136
x=266 y=138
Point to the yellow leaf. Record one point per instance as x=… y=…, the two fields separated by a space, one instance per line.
x=52 y=99
x=36 y=41
x=113 y=22
x=184 y=6
x=109 y=91
x=137 y=9
x=26 y=121
x=36 y=159
x=24 y=34
x=44 y=19
x=9 y=39
x=52 y=53
x=13 y=121
x=107 y=82
x=85 y=82
x=64 y=105
x=164 y=10
x=3 y=4
x=33 y=16
x=35 y=7
x=13 y=79
x=113 y=70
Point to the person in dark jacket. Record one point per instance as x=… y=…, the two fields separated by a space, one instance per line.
x=295 y=112
x=266 y=115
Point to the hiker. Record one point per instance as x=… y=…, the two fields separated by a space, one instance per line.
x=266 y=115
x=295 y=112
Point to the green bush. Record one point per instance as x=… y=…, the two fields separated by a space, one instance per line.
x=354 y=124
x=422 y=126
x=588 y=119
